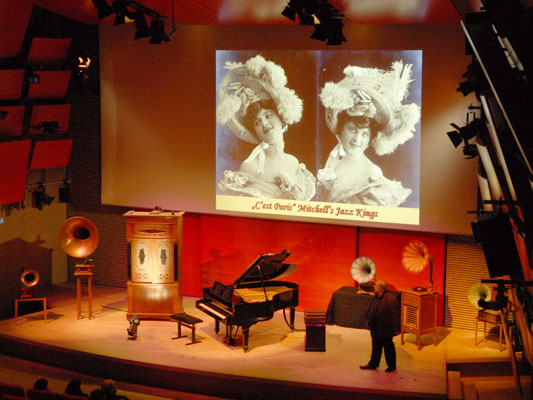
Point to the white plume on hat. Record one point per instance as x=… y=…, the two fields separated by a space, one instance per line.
x=244 y=84
x=376 y=94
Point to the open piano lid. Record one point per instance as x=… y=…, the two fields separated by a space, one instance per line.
x=267 y=267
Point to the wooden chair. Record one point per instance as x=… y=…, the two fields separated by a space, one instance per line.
x=14 y=390
x=34 y=394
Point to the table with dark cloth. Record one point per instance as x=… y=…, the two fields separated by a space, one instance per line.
x=348 y=308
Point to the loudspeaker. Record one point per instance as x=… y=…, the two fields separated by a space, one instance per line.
x=64 y=194
x=315 y=330
x=495 y=233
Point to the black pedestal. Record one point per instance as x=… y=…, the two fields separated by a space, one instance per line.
x=315 y=330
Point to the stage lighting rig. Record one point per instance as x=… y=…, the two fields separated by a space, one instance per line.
x=120 y=8
x=130 y=10
x=40 y=198
x=46 y=126
x=475 y=80
x=326 y=19
x=143 y=30
x=158 y=31
x=476 y=126
x=103 y=8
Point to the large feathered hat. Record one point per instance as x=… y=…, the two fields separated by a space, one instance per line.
x=378 y=95
x=256 y=79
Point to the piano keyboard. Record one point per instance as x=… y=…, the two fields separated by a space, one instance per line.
x=211 y=310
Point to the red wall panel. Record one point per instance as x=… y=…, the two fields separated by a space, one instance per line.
x=51 y=154
x=14 y=166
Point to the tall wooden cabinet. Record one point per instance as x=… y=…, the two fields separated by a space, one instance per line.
x=419 y=314
x=154 y=284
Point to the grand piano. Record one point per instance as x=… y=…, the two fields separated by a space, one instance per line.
x=253 y=297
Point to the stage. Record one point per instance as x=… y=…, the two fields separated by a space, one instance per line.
x=276 y=365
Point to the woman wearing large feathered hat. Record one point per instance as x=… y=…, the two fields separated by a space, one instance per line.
x=255 y=104
x=365 y=109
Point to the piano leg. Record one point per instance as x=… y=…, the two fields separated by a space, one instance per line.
x=245 y=332
x=217 y=326
x=292 y=315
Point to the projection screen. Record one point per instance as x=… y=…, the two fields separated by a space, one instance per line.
x=306 y=164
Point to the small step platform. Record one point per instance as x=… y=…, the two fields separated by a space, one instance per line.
x=188 y=321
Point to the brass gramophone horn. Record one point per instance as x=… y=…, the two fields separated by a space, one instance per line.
x=29 y=277
x=78 y=237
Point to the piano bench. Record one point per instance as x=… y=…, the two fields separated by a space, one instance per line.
x=188 y=321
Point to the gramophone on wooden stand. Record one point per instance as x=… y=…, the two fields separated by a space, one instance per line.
x=419 y=304
x=29 y=279
x=78 y=237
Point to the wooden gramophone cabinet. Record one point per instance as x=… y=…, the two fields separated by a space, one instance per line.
x=155 y=241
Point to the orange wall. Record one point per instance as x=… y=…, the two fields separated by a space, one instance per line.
x=221 y=248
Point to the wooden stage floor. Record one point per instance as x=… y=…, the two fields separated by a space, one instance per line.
x=276 y=365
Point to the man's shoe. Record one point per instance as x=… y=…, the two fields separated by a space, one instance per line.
x=368 y=366
x=389 y=369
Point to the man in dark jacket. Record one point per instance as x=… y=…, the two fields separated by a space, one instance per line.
x=384 y=324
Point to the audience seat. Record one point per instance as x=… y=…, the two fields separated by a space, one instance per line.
x=65 y=396
x=34 y=394
x=12 y=397
x=15 y=390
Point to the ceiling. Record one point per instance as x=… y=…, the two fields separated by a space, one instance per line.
x=268 y=12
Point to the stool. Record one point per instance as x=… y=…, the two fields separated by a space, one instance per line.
x=188 y=321
x=491 y=317
x=43 y=299
x=84 y=270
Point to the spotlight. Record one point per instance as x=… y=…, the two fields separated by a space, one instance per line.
x=140 y=24
x=134 y=326
x=158 y=31
x=475 y=80
x=326 y=19
x=463 y=134
x=330 y=32
x=289 y=11
x=3 y=114
x=455 y=136
x=40 y=198
x=121 y=10
x=102 y=8
x=470 y=151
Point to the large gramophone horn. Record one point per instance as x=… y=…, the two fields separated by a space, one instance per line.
x=363 y=270
x=29 y=277
x=479 y=291
x=415 y=258
x=78 y=237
